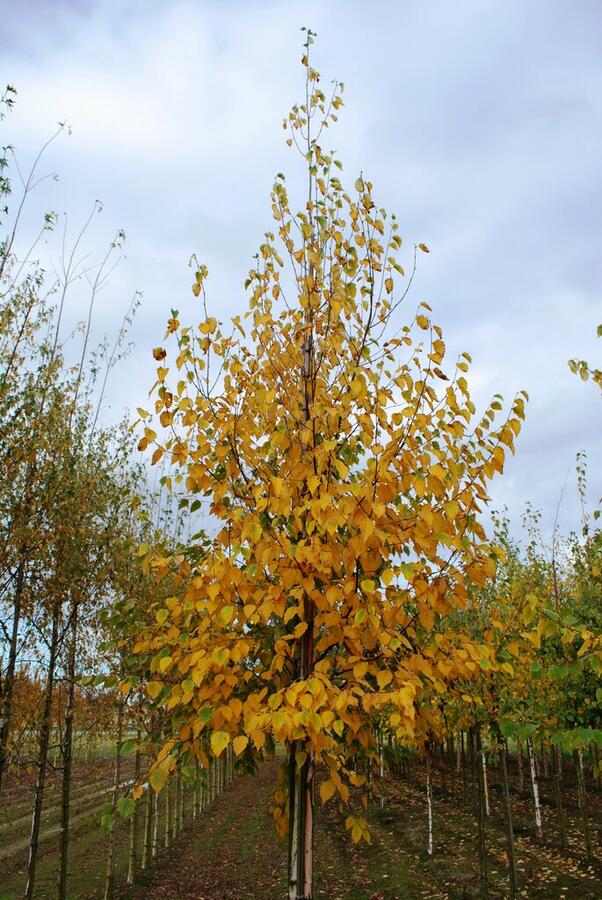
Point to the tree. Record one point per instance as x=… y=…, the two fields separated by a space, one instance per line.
x=346 y=472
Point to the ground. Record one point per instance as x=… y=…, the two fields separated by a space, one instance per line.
x=231 y=851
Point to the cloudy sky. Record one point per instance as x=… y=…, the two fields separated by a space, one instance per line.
x=479 y=123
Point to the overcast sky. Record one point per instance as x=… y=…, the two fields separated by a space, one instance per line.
x=479 y=123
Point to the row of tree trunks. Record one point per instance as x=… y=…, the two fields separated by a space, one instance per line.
x=465 y=754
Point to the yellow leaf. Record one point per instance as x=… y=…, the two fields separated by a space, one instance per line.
x=219 y=742
x=153 y=689
x=422 y=322
x=327 y=789
x=239 y=743
x=383 y=677
x=209 y=326
x=360 y=669
x=386 y=577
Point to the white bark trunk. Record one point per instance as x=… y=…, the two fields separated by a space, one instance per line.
x=485 y=783
x=429 y=804
x=535 y=788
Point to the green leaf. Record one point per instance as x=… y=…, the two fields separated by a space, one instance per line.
x=125 y=807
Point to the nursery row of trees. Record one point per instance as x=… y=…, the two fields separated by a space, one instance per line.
x=74 y=507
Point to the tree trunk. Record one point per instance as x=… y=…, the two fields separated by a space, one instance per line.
x=9 y=677
x=301 y=830
x=181 y=805
x=521 y=770
x=381 y=762
x=429 y=801
x=131 y=876
x=156 y=818
x=175 y=825
x=558 y=798
x=480 y=786
x=535 y=790
x=485 y=782
x=42 y=755
x=110 y=873
x=512 y=867
x=463 y=763
x=167 y=823
x=148 y=829
x=67 y=757
x=582 y=797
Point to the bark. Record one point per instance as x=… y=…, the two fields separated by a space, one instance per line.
x=301 y=847
x=9 y=677
x=181 y=807
x=177 y=800
x=67 y=757
x=301 y=828
x=535 y=790
x=485 y=782
x=131 y=876
x=42 y=762
x=521 y=769
x=156 y=820
x=463 y=762
x=512 y=866
x=110 y=872
x=381 y=762
x=429 y=801
x=148 y=829
x=483 y=874
x=168 y=813
x=582 y=797
x=560 y=818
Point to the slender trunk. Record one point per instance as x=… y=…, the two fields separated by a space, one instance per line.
x=512 y=866
x=42 y=755
x=67 y=757
x=381 y=761
x=110 y=872
x=535 y=790
x=521 y=769
x=167 y=832
x=582 y=797
x=485 y=782
x=480 y=786
x=429 y=801
x=558 y=798
x=301 y=846
x=156 y=818
x=175 y=825
x=463 y=762
x=546 y=762
x=302 y=822
x=131 y=876
x=195 y=792
x=596 y=768
x=181 y=807
x=8 y=685
x=148 y=829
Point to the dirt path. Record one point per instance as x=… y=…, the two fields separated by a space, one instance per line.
x=226 y=853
